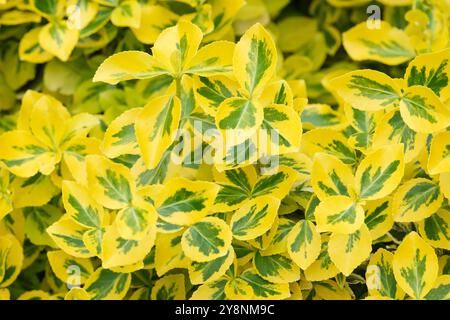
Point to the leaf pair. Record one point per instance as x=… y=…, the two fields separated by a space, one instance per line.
x=47 y=134
x=175 y=52
x=341 y=193
x=420 y=99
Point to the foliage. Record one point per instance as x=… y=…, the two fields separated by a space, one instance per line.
x=216 y=149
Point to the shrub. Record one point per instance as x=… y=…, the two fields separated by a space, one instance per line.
x=215 y=149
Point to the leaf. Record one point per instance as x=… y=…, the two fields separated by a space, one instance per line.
x=431 y=70
x=206 y=239
x=278 y=244
x=134 y=222
x=24 y=155
x=255 y=59
x=154 y=19
x=176 y=46
x=439 y=159
x=441 y=290
x=238 y=118
x=81 y=206
x=105 y=284
x=339 y=214
x=263 y=241
x=379 y=217
x=110 y=183
x=6 y=205
x=210 y=92
x=331 y=177
x=393 y=130
x=16 y=73
x=277 y=268
x=213 y=290
x=11 y=259
x=436 y=229
x=184 y=202
x=380 y=279
x=254 y=218
x=100 y=20
x=320 y=116
x=210 y=271
x=303 y=243
x=380 y=172
x=348 y=251
x=37 y=220
x=15 y=17
x=170 y=287
x=416 y=200
x=72 y=271
x=156 y=127
x=75 y=155
x=117 y=68
x=385 y=44
x=35 y=295
x=77 y=293
x=35 y=191
x=262 y=289
x=30 y=50
x=330 y=290
x=367 y=90
x=169 y=254
x=415 y=266
x=276 y=184
x=120 y=137
x=118 y=251
x=68 y=236
x=328 y=141
x=235 y=187
x=127 y=14
x=58 y=39
x=213 y=59
x=48 y=8
x=80 y=13
x=280 y=131
x=238 y=289
x=323 y=268
x=422 y=110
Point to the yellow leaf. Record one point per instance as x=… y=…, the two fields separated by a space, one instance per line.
x=156 y=127
x=58 y=39
x=110 y=183
x=416 y=200
x=254 y=218
x=30 y=50
x=380 y=172
x=366 y=90
x=255 y=59
x=120 y=137
x=422 y=110
x=118 y=68
x=207 y=239
x=385 y=44
x=304 y=243
x=348 y=251
x=331 y=177
x=176 y=46
x=72 y=271
x=170 y=287
x=339 y=214
x=439 y=159
x=127 y=14
x=380 y=279
x=415 y=266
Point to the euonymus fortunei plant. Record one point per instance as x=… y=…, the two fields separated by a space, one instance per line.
x=212 y=149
